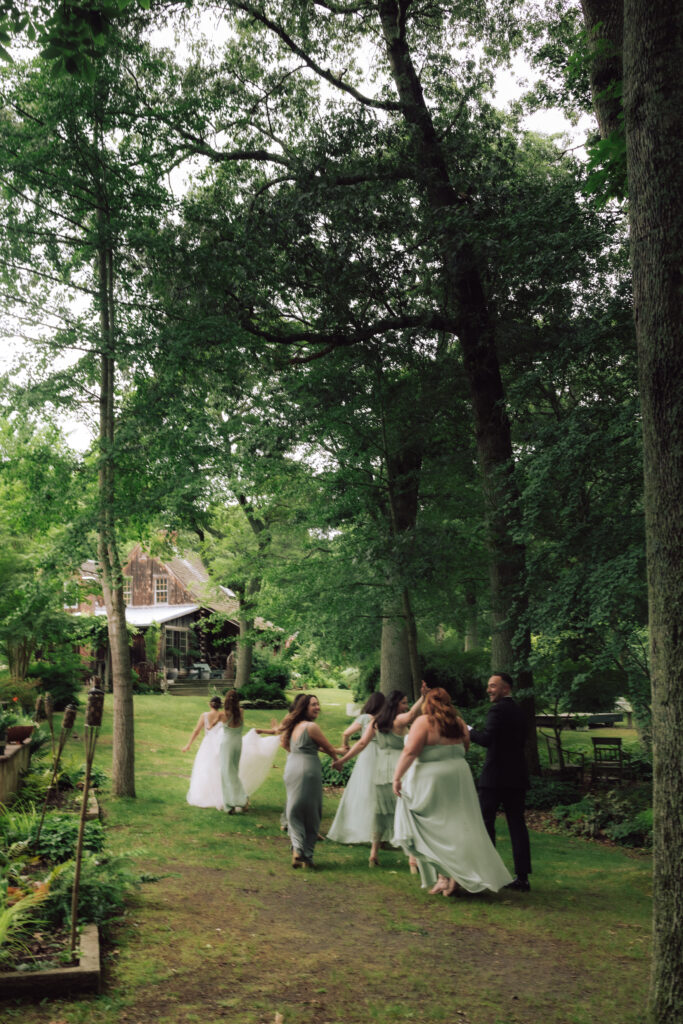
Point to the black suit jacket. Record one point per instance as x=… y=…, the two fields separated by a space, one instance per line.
x=504 y=735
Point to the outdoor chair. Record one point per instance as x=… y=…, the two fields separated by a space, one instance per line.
x=608 y=759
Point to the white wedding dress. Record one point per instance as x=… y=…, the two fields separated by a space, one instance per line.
x=205 y=782
x=256 y=759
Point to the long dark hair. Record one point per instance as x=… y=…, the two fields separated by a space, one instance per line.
x=231 y=706
x=373 y=704
x=297 y=713
x=385 y=719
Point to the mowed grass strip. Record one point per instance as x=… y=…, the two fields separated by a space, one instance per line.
x=224 y=930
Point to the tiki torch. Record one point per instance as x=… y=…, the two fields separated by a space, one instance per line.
x=93 y=721
x=67 y=725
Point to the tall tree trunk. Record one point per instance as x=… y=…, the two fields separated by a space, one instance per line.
x=403 y=460
x=123 y=746
x=653 y=109
x=395 y=672
x=472 y=617
x=245 y=650
x=245 y=647
x=653 y=121
x=466 y=302
x=19 y=658
x=604 y=21
x=413 y=653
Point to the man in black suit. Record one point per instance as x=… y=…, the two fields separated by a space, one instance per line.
x=504 y=778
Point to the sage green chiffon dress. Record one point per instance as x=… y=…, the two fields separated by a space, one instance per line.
x=304 y=785
x=231 y=749
x=438 y=821
x=389 y=747
x=354 y=820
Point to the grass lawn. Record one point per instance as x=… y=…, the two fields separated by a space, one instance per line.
x=224 y=930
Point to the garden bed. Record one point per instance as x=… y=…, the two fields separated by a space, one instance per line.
x=52 y=980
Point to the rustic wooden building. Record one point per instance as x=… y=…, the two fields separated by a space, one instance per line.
x=178 y=596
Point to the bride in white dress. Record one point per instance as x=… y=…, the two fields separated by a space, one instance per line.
x=256 y=759
x=205 y=783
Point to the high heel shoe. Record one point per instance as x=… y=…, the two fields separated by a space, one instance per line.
x=440 y=886
x=373 y=862
x=452 y=889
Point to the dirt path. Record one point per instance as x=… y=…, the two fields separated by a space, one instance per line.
x=247 y=942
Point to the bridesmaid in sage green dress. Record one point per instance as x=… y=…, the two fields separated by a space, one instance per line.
x=388 y=729
x=438 y=817
x=353 y=822
x=234 y=797
x=302 y=737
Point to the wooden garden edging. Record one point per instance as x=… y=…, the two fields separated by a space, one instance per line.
x=59 y=981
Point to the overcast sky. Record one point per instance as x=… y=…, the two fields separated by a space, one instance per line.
x=508 y=89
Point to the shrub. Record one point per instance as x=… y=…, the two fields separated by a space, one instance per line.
x=544 y=793
x=367 y=681
x=62 y=674
x=475 y=759
x=59 y=834
x=640 y=765
x=332 y=777
x=19 y=694
x=270 y=676
x=17 y=923
x=103 y=887
x=308 y=669
x=16 y=825
x=461 y=673
x=624 y=816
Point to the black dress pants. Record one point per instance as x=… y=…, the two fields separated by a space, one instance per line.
x=490 y=799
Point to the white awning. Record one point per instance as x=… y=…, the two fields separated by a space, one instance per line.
x=145 y=615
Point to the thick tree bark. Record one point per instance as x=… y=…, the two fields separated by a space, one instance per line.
x=604 y=21
x=394 y=667
x=245 y=647
x=466 y=302
x=653 y=108
x=245 y=650
x=399 y=638
x=19 y=658
x=472 y=620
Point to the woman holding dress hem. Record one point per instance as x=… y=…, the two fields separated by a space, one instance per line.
x=438 y=819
